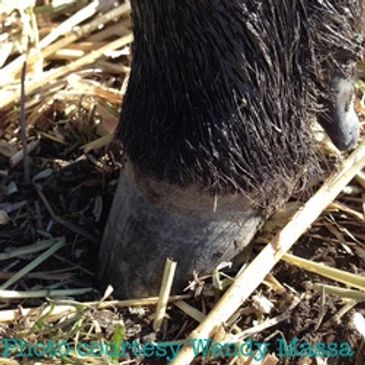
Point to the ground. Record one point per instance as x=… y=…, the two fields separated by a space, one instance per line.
x=51 y=223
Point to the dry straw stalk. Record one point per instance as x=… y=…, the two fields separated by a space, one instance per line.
x=248 y=280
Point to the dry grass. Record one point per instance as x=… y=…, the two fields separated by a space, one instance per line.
x=58 y=131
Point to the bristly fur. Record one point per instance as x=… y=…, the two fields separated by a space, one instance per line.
x=222 y=93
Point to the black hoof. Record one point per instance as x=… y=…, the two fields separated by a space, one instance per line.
x=341 y=121
x=141 y=235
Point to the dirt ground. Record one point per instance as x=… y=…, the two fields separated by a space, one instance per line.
x=73 y=167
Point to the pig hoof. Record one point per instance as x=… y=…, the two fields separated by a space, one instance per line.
x=141 y=234
x=341 y=122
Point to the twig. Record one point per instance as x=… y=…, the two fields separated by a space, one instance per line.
x=190 y=310
x=72 y=227
x=270 y=322
x=56 y=308
x=58 y=244
x=23 y=127
x=342 y=207
x=5 y=361
x=18 y=157
x=344 y=277
x=166 y=285
x=63 y=29
x=33 y=264
x=39 y=82
x=249 y=279
x=27 y=250
x=75 y=19
x=14 y=294
x=356 y=295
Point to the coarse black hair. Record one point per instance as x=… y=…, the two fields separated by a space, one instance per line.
x=222 y=92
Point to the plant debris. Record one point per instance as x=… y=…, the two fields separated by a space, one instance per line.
x=75 y=57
